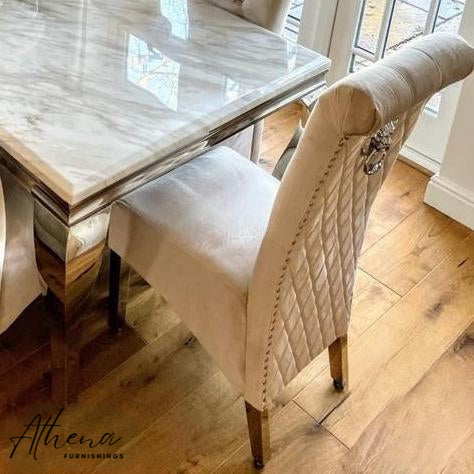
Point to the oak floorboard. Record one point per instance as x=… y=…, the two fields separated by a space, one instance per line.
x=370 y=301
x=231 y=412
x=421 y=428
x=401 y=195
x=100 y=353
x=395 y=352
x=299 y=445
x=407 y=254
x=206 y=428
x=462 y=460
x=23 y=383
x=25 y=336
x=126 y=401
x=208 y=433
x=150 y=315
x=147 y=313
x=6 y=360
x=197 y=435
x=277 y=133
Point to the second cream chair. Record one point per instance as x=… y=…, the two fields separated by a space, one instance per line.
x=271 y=14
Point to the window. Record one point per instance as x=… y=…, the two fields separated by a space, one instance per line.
x=386 y=25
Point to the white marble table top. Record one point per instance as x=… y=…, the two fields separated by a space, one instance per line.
x=93 y=90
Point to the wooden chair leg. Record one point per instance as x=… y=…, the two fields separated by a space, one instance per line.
x=338 y=362
x=115 y=319
x=259 y=433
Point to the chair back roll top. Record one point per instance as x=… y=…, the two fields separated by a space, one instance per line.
x=301 y=292
x=363 y=102
x=270 y=14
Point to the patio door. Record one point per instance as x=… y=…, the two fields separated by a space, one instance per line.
x=364 y=31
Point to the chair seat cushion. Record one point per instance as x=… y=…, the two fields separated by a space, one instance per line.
x=194 y=235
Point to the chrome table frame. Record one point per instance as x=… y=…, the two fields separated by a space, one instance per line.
x=71 y=240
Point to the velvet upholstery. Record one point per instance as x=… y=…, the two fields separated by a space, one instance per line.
x=242 y=143
x=300 y=296
x=201 y=226
x=263 y=274
x=271 y=14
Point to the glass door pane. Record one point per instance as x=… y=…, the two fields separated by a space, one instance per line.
x=450 y=15
x=408 y=23
x=387 y=25
x=369 y=27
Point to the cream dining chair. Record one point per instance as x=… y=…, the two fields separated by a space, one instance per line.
x=261 y=272
x=20 y=282
x=271 y=15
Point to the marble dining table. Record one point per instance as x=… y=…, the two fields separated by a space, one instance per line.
x=98 y=97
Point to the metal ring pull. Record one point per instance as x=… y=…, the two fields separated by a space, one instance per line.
x=376 y=147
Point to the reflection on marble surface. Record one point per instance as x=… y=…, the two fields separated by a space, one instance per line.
x=92 y=91
x=153 y=71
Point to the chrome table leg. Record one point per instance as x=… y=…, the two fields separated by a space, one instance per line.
x=69 y=259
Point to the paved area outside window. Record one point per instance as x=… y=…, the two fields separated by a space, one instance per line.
x=407 y=23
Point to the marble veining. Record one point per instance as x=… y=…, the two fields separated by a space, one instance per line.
x=93 y=90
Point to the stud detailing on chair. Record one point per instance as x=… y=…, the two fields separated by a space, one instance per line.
x=292 y=329
x=314 y=292
x=291 y=296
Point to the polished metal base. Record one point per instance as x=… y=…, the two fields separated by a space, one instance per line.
x=69 y=260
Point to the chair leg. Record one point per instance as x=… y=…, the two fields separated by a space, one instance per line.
x=259 y=433
x=115 y=319
x=338 y=362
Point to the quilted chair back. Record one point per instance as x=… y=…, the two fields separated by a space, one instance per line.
x=300 y=295
x=271 y=14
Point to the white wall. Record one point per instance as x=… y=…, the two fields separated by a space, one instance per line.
x=452 y=190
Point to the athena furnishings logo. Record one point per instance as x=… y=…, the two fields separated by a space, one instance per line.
x=39 y=432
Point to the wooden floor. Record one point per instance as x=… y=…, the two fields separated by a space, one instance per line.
x=410 y=407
